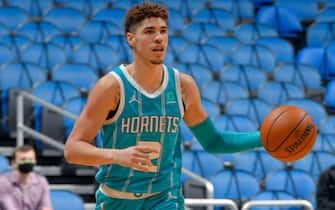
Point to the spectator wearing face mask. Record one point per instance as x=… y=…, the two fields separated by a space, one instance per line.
x=21 y=188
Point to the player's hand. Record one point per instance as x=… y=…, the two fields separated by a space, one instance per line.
x=135 y=157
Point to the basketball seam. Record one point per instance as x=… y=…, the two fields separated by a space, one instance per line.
x=283 y=141
x=311 y=136
x=269 y=130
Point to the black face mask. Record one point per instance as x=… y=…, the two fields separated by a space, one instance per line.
x=25 y=167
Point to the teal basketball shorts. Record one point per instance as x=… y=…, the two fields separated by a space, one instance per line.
x=168 y=200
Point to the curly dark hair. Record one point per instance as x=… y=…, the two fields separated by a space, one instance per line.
x=139 y=12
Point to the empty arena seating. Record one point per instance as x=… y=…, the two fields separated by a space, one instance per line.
x=246 y=56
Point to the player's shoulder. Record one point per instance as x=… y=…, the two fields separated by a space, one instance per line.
x=108 y=82
x=186 y=81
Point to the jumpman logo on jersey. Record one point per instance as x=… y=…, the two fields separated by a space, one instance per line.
x=133 y=98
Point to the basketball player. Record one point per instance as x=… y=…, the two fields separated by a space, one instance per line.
x=138 y=108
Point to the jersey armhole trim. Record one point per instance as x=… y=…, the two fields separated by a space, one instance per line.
x=122 y=99
x=179 y=92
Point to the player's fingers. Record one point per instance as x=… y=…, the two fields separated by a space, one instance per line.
x=140 y=167
x=141 y=155
x=143 y=161
x=147 y=149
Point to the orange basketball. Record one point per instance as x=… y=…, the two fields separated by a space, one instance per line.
x=288 y=133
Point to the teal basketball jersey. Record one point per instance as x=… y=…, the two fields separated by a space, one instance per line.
x=144 y=118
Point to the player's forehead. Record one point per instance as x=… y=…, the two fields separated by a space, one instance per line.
x=152 y=23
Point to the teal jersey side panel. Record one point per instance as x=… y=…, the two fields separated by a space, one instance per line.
x=145 y=118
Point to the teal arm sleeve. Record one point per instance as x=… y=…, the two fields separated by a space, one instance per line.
x=214 y=141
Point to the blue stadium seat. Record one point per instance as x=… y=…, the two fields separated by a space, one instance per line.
x=120 y=45
x=304 y=76
x=198 y=32
x=197 y=162
x=326 y=15
x=184 y=68
x=97 y=56
x=17 y=76
x=207 y=55
x=16 y=43
x=169 y=58
x=35 y=8
x=174 y=4
x=176 y=22
x=7 y=55
x=242 y=10
x=284 y=20
x=211 y=91
x=325 y=142
x=79 y=75
x=86 y=7
x=235 y=123
x=326 y=3
x=281 y=48
x=39 y=31
x=213 y=109
x=113 y=15
x=226 y=94
x=278 y=93
x=98 y=31
x=274 y=195
x=330 y=95
x=315 y=57
x=186 y=133
x=313 y=108
x=4 y=164
x=327 y=125
x=21 y=75
x=330 y=60
x=235 y=184
x=249 y=77
x=315 y=162
x=248 y=33
x=62 y=199
x=55 y=92
x=260 y=3
x=305 y=10
x=254 y=109
x=177 y=45
x=225 y=44
x=201 y=74
x=193 y=7
x=46 y=55
x=249 y=161
x=68 y=42
x=4 y=31
x=257 y=55
x=319 y=34
x=66 y=19
x=297 y=182
x=321 y=58
x=218 y=17
x=7 y=14
x=75 y=106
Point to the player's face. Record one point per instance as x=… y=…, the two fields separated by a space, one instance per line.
x=150 y=40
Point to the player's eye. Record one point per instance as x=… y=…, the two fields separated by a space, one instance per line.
x=149 y=31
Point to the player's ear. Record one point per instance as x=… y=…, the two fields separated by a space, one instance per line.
x=130 y=39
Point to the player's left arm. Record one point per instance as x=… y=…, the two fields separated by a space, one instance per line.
x=202 y=127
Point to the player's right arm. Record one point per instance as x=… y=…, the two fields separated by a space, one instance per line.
x=79 y=149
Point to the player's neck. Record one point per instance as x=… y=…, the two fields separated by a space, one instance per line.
x=148 y=76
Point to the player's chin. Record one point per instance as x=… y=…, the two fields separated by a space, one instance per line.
x=156 y=61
